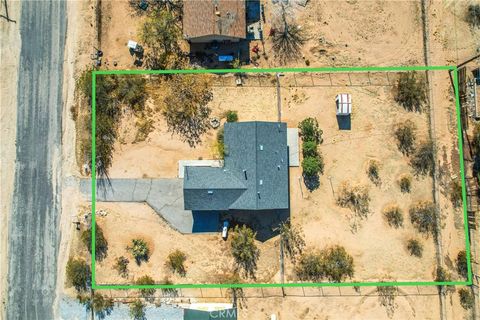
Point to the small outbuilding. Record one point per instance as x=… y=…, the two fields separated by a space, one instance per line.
x=344 y=104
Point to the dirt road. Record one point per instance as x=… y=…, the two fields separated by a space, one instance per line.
x=33 y=224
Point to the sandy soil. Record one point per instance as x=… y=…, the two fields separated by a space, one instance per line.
x=378 y=250
x=10 y=54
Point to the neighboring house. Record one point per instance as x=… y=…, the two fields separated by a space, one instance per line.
x=214 y=20
x=254 y=175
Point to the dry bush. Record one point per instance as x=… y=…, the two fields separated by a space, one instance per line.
x=405 y=183
x=406 y=135
x=176 y=262
x=415 y=248
x=423 y=217
x=333 y=263
x=355 y=198
x=411 y=92
x=373 y=172
x=394 y=216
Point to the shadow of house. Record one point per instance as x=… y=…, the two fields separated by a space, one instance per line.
x=344 y=122
x=219 y=31
x=252 y=187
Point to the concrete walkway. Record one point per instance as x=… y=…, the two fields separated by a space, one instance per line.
x=165 y=196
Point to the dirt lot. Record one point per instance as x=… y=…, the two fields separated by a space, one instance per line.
x=378 y=250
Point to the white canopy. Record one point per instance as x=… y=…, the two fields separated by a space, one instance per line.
x=344 y=104
x=132 y=44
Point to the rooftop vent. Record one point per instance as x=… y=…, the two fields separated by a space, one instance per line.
x=261 y=182
x=261 y=147
x=210 y=191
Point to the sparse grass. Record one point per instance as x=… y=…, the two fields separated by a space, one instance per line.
x=176 y=262
x=355 y=198
x=144 y=128
x=415 y=248
x=405 y=183
x=394 y=216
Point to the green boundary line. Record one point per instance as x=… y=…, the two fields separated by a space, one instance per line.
x=451 y=69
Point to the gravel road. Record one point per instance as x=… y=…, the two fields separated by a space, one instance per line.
x=33 y=230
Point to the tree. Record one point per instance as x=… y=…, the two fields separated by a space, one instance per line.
x=415 y=248
x=139 y=250
x=373 y=172
x=410 y=91
x=309 y=149
x=244 y=249
x=101 y=244
x=231 y=115
x=186 y=106
x=291 y=238
x=237 y=294
x=333 y=263
x=137 y=310
x=121 y=265
x=78 y=274
x=288 y=38
x=312 y=166
x=394 y=216
x=355 y=198
x=473 y=15
x=467 y=299
x=423 y=217
x=405 y=184
x=176 y=262
x=310 y=130
x=160 y=34
x=406 y=136
x=147 y=293
x=102 y=306
x=423 y=160
x=461 y=262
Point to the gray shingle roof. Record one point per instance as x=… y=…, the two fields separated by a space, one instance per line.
x=255 y=172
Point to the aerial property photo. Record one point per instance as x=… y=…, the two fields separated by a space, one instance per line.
x=291 y=177
x=240 y=159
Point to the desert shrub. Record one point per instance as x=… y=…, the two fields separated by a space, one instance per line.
x=423 y=160
x=137 y=310
x=456 y=193
x=355 y=198
x=121 y=265
x=186 y=106
x=473 y=15
x=423 y=217
x=310 y=131
x=231 y=116
x=373 y=172
x=292 y=239
x=312 y=166
x=101 y=306
x=78 y=274
x=394 y=216
x=244 y=249
x=333 y=263
x=171 y=292
x=386 y=297
x=101 y=244
x=461 y=262
x=309 y=149
x=467 y=299
x=175 y=262
x=149 y=293
x=220 y=145
x=406 y=135
x=415 y=248
x=139 y=250
x=411 y=92
x=442 y=275
x=405 y=183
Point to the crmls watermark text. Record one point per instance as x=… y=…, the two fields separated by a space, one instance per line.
x=224 y=314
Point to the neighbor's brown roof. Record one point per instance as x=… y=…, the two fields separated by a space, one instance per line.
x=200 y=18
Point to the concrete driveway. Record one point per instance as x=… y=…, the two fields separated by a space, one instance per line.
x=165 y=196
